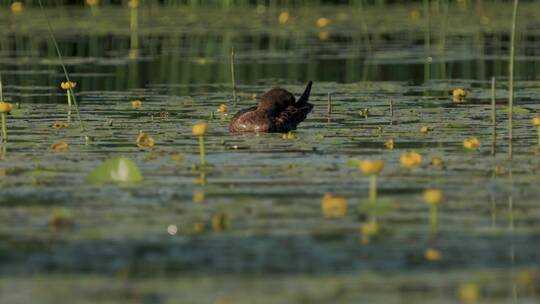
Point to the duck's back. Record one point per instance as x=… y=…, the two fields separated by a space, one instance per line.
x=250 y=120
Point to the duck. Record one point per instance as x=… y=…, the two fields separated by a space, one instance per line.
x=276 y=112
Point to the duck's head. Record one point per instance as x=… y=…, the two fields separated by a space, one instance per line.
x=276 y=100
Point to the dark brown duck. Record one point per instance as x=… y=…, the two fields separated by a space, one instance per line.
x=277 y=111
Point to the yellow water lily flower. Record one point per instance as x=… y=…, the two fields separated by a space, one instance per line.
x=92 y=2
x=324 y=35
x=323 y=22
x=458 y=95
x=410 y=159
x=390 y=144
x=133 y=3
x=136 y=104
x=5 y=107
x=200 y=129
x=283 y=18
x=471 y=143
x=198 y=197
x=432 y=254
x=145 y=141
x=425 y=129
x=436 y=162
x=371 y=167
x=68 y=85
x=220 y=222
x=60 y=147
x=536 y=121
x=432 y=196
x=333 y=207
x=367 y=230
x=469 y=293
x=60 y=125
x=222 y=108
x=17 y=7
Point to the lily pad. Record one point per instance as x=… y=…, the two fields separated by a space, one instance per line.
x=115 y=170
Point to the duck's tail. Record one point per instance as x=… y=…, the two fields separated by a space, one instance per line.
x=303 y=100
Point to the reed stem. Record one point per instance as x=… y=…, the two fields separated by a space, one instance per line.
x=329 y=102
x=391 y=111
x=81 y=123
x=4 y=128
x=433 y=217
x=511 y=79
x=233 y=76
x=134 y=27
x=427 y=40
x=373 y=189
x=202 y=151
x=493 y=119
x=69 y=105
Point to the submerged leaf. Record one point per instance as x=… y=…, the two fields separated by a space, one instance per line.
x=115 y=170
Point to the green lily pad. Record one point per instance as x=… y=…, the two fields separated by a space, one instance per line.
x=378 y=208
x=517 y=110
x=40 y=173
x=115 y=170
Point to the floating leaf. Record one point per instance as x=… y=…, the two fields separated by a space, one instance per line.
x=115 y=170
x=518 y=110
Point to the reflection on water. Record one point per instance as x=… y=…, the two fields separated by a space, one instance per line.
x=255 y=208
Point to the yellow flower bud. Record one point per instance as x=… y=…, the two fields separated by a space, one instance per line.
x=458 y=95
x=469 y=293
x=136 y=104
x=133 y=3
x=283 y=18
x=432 y=197
x=68 y=85
x=471 y=143
x=371 y=167
x=432 y=255
x=5 y=107
x=410 y=159
x=324 y=35
x=200 y=129
x=536 y=121
x=222 y=108
x=323 y=22
x=390 y=144
x=198 y=197
x=333 y=206
x=145 y=141
x=17 y=7
x=60 y=147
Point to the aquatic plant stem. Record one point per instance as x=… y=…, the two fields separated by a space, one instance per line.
x=4 y=128
x=433 y=217
x=391 y=112
x=202 y=151
x=69 y=104
x=539 y=135
x=373 y=189
x=134 y=27
x=329 y=104
x=233 y=76
x=511 y=79
x=81 y=123
x=427 y=40
x=493 y=119
x=4 y=124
